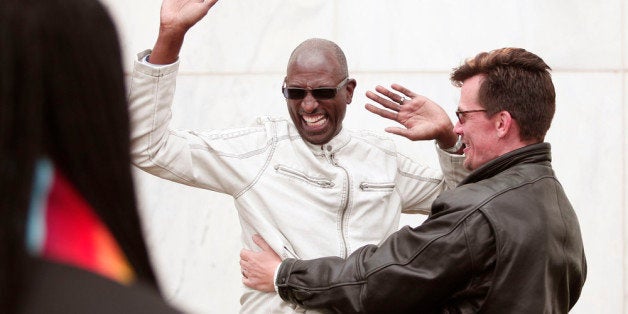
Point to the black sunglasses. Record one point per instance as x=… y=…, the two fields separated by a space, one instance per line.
x=318 y=93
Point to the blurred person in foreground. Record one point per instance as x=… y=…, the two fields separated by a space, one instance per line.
x=311 y=187
x=71 y=239
x=506 y=240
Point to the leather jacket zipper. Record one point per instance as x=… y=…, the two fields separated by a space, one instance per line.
x=345 y=204
x=366 y=186
x=296 y=174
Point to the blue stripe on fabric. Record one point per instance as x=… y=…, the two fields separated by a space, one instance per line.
x=36 y=221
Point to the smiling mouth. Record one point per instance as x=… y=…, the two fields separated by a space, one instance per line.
x=314 y=121
x=466 y=147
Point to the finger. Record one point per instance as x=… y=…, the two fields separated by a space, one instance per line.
x=381 y=112
x=398 y=131
x=251 y=283
x=208 y=4
x=394 y=97
x=388 y=93
x=243 y=268
x=390 y=104
x=244 y=254
x=403 y=90
x=261 y=243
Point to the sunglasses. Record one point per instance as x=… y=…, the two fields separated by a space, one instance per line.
x=318 y=93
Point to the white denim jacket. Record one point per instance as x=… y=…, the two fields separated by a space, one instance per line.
x=305 y=200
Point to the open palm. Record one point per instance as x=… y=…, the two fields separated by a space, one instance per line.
x=422 y=118
x=183 y=14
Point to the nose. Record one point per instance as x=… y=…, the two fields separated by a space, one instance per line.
x=458 y=128
x=309 y=103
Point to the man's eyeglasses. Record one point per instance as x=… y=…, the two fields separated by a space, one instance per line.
x=318 y=93
x=460 y=113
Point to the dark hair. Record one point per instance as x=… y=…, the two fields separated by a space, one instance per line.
x=516 y=81
x=62 y=97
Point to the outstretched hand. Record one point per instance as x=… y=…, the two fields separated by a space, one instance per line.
x=258 y=268
x=177 y=17
x=183 y=14
x=422 y=118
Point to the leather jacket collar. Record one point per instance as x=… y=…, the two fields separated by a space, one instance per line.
x=534 y=153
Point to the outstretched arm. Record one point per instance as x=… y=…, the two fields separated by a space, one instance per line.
x=258 y=268
x=422 y=118
x=427 y=269
x=176 y=18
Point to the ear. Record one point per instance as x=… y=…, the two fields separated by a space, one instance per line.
x=351 y=84
x=503 y=123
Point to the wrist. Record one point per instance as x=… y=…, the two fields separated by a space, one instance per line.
x=447 y=139
x=281 y=280
x=172 y=31
x=275 y=277
x=456 y=148
x=166 y=49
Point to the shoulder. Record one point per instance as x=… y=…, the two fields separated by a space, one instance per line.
x=374 y=139
x=280 y=126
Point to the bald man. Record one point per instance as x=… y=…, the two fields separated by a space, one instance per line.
x=310 y=187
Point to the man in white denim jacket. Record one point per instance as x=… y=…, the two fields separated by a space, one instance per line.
x=310 y=188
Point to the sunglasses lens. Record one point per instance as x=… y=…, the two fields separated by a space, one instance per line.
x=324 y=93
x=294 y=93
x=318 y=93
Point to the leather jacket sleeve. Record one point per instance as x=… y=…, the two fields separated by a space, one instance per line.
x=420 y=270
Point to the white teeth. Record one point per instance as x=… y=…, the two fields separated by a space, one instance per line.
x=316 y=120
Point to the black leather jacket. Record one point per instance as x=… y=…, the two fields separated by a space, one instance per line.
x=506 y=240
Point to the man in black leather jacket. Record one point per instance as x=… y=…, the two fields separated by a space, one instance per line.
x=506 y=240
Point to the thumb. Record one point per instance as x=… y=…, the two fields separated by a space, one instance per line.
x=398 y=131
x=261 y=243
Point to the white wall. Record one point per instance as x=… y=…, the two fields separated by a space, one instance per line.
x=233 y=63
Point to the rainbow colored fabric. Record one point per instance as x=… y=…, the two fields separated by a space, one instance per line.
x=63 y=227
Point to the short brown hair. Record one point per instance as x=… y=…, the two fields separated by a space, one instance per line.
x=516 y=81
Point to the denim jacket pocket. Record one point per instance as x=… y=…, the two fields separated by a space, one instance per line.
x=296 y=174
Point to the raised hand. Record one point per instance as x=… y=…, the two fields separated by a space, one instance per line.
x=176 y=18
x=180 y=15
x=422 y=118
x=258 y=268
